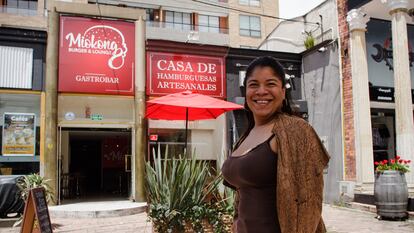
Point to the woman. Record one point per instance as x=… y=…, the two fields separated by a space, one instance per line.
x=277 y=165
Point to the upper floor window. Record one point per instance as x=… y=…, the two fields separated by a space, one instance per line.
x=208 y=23
x=249 y=2
x=21 y=7
x=149 y=13
x=250 y=26
x=178 y=20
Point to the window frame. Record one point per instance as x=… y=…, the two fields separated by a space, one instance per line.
x=209 y=26
x=31 y=4
x=175 y=24
x=250 y=30
x=249 y=3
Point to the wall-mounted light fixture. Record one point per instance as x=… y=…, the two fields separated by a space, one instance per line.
x=290 y=67
x=193 y=36
x=242 y=76
x=241 y=65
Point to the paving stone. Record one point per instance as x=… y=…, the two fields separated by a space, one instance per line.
x=346 y=220
x=337 y=220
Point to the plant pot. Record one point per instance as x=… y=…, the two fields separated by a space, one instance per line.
x=391 y=194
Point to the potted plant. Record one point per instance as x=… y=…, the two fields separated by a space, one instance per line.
x=309 y=41
x=182 y=195
x=390 y=188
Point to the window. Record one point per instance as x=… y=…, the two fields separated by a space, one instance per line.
x=26 y=4
x=171 y=139
x=249 y=2
x=208 y=23
x=20 y=7
x=178 y=20
x=149 y=14
x=18 y=136
x=18 y=71
x=250 y=26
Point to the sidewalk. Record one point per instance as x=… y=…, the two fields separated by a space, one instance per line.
x=346 y=220
x=129 y=224
x=337 y=220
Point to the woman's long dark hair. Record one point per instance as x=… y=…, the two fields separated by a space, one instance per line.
x=278 y=70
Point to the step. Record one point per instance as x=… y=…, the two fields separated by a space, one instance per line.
x=373 y=208
x=97 y=209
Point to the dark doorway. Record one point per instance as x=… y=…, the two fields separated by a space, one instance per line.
x=383 y=134
x=86 y=165
x=97 y=160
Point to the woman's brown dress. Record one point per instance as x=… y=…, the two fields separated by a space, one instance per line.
x=253 y=175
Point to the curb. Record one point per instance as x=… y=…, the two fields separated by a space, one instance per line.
x=373 y=209
x=57 y=213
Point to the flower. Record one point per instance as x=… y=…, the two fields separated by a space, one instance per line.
x=396 y=164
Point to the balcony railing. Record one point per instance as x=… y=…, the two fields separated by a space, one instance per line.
x=187 y=27
x=18 y=7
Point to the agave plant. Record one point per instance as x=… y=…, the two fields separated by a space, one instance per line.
x=27 y=182
x=178 y=192
x=31 y=181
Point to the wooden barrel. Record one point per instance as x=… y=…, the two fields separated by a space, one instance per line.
x=391 y=194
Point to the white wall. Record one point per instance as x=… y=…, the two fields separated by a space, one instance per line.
x=288 y=36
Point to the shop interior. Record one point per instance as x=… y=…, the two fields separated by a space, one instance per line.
x=383 y=134
x=162 y=139
x=95 y=164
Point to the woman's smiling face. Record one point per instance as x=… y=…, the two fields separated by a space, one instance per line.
x=264 y=94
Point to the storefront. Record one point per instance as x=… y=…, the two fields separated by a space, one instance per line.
x=381 y=85
x=174 y=67
x=95 y=107
x=22 y=59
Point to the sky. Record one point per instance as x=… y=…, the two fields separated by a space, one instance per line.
x=293 y=8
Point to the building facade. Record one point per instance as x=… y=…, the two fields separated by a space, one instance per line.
x=73 y=98
x=377 y=38
x=23 y=40
x=251 y=21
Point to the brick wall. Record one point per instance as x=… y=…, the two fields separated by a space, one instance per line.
x=348 y=112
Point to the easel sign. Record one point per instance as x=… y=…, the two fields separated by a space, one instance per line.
x=36 y=209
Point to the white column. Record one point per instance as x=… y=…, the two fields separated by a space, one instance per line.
x=362 y=112
x=402 y=83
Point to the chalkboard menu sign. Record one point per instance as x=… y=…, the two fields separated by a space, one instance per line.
x=36 y=209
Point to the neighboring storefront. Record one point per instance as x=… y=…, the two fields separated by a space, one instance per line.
x=22 y=60
x=377 y=73
x=175 y=67
x=95 y=106
x=381 y=85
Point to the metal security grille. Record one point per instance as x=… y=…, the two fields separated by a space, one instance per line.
x=16 y=66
